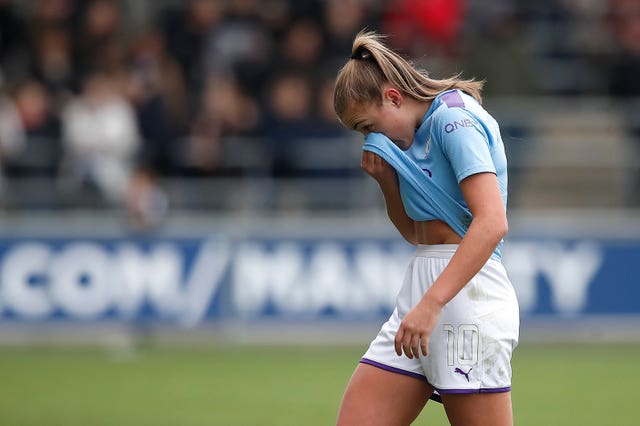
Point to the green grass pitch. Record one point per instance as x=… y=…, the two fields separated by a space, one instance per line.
x=574 y=384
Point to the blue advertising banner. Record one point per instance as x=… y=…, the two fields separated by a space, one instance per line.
x=189 y=281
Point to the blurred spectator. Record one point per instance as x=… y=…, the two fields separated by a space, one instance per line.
x=101 y=139
x=241 y=45
x=342 y=19
x=329 y=150
x=623 y=78
x=101 y=42
x=12 y=137
x=302 y=47
x=12 y=134
x=326 y=123
x=159 y=95
x=186 y=31
x=226 y=112
x=625 y=24
x=30 y=132
x=45 y=14
x=424 y=26
x=13 y=43
x=495 y=50
x=52 y=62
x=277 y=15
x=288 y=120
x=564 y=37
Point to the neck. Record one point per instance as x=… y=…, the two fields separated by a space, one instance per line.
x=420 y=110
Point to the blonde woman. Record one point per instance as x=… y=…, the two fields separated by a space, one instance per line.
x=439 y=160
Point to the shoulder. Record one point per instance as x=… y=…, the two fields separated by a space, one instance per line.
x=457 y=119
x=448 y=120
x=453 y=104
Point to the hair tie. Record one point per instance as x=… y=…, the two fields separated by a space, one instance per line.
x=361 y=53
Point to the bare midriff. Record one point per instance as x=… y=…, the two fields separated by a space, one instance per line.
x=436 y=232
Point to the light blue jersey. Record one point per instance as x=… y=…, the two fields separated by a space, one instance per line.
x=456 y=139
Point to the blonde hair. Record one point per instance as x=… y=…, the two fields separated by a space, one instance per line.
x=372 y=64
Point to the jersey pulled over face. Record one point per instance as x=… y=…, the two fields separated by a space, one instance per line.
x=389 y=118
x=457 y=138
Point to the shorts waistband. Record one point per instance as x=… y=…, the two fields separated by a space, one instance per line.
x=444 y=251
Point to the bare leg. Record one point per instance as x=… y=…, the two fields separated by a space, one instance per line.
x=378 y=397
x=479 y=409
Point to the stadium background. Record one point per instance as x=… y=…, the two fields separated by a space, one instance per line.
x=180 y=212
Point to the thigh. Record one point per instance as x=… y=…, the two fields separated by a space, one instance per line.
x=479 y=409
x=379 y=397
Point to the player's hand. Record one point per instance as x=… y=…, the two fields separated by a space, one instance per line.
x=376 y=166
x=415 y=329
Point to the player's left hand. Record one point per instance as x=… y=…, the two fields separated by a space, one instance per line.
x=415 y=329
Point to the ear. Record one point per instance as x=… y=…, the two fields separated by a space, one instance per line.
x=392 y=95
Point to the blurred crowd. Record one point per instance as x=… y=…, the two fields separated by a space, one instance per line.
x=108 y=107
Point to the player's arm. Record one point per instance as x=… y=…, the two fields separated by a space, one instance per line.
x=387 y=179
x=489 y=225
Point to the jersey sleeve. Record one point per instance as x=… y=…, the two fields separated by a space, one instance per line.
x=464 y=142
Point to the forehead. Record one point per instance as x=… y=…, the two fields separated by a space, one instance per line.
x=359 y=112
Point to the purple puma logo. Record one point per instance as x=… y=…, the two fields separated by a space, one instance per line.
x=457 y=370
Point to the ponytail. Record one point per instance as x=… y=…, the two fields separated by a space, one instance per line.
x=372 y=64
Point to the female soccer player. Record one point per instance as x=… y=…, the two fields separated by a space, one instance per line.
x=439 y=160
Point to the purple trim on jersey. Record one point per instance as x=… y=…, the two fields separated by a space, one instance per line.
x=453 y=99
x=465 y=391
x=394 y=369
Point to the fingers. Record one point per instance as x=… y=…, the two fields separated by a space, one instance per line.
x=411 y=343
x=370 y=159
x=399 y=339
x=373 y=164
x=368 y=162
x=415 y=345
x=364 y=162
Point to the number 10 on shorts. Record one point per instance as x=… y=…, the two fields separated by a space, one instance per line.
x=462 y=344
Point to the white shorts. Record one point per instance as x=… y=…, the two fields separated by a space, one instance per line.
x=470 y=348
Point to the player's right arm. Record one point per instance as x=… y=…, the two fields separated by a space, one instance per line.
x=387 y=179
